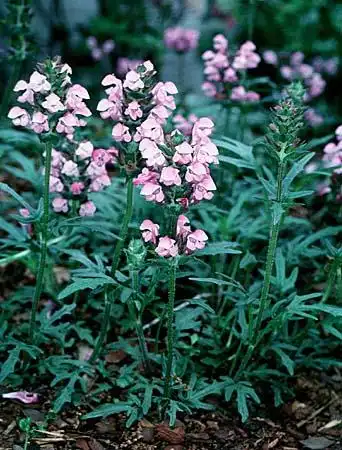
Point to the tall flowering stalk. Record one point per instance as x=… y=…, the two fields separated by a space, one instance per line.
x=176 y=175
x=282 y=142
x=138 y=107
x=52 y=110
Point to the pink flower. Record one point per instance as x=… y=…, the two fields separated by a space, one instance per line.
x=39 y=83
x=167 y=247
x=220 y=43
x=183 y=154
x=55 y=184
x=202 y=129
x=108 y=46
x=99 y=183
x=170 y=176
x=338 y=133
x=196 y=241
x=20 y=117
x=209 y=89
x=77 y=187
x=183 y=226
x=163 y=94
x=121 y=133
x=39 y=122
x=230 y=75
x=67 y=123
x=286 y=72
x=133 y=81
x=297 y=58
x=195 y=172
x=53 y=103
x=87 y=209
x=246 y=57
x=150 y=231
x=323 y=189
x=202 y=190
x=101 y=157
x=270 y=57
x=160 y=114
x=24 y=212
x=134 y=111
x=153 y=192
x=206 y=153
x=150 y=151
x=70 y=169
x=57 y=159
x=185 y=125
x=238 y=93
x=111 y=80
x=84 y=150
x=91 y=42
x=74 y=100
x=146 y=176
x=109 y=109
x=124 y=65
x=150 y=129
x=59 y=204
x=22 y=396
x=252 y=96
x=181 y=39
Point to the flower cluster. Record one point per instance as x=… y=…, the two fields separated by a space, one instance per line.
x=184 y=241
x=52 y=103
x=225 y=73
x=180 y=39
x=333 y=153
x=98 y=52
x=124 y=65
x=76 y=171
x=297 y=69
x=177 y=170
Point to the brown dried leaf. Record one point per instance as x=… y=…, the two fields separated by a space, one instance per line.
x=173 y=435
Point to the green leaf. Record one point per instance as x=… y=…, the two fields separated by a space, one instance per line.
x=295 y=170
x=107 y=410
x=242 y=404
x=84 y=283
x=5 y=188
x=9 y=365
x=147 y=402
x=219 y=248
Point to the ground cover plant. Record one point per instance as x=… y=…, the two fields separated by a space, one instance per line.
x=169 y=251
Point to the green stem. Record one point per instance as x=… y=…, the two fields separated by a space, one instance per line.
x=331 y=282
x=251 y=18
x=115 y=264
x=124 y=227
x=271 y=251
x=138 y=322
x=13 y=78
x=43 y=241
x=170 y=331
x=103 y=330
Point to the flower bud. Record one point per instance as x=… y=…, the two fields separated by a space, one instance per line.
x=136 y=253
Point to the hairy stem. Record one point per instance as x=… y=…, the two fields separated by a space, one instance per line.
x=271 y=251
x=43 y=241
x=115 y=264
x=170 y=331
x=136 y=317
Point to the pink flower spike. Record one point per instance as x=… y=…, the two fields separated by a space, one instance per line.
x=150 y=231
x=196 y=241
x=22 y=396
x=167 y=247
x=170 y=176
x=183 y=226
x=55 y=184
x=220 y=43
x=60 y=205
x=87 y=209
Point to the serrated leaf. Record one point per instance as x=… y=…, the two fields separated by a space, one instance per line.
x=219 y=248
x=8 y=366
x=82 y=283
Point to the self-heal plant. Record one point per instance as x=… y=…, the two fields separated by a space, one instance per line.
x=138 y=106
x=52 y=110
